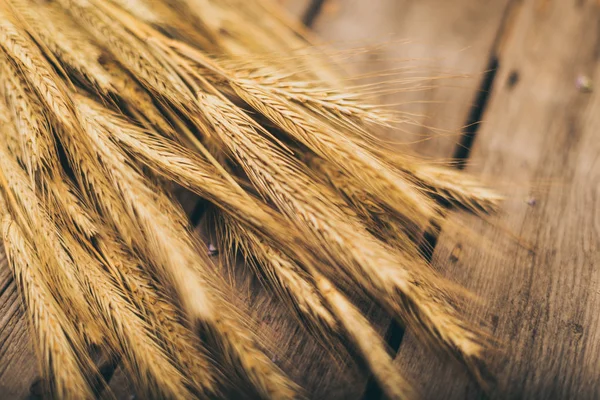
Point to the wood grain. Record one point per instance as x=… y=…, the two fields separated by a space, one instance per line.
x=18 y=368
x=444 y=45
x=538 y=137
x=540 y=141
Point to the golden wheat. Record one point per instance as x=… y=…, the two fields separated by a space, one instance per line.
x=61 y=351
x=104 y=105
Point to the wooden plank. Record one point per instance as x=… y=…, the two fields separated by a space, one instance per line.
x=428 y=38
x=540 y=142
x=18 y=369
x=295 y=8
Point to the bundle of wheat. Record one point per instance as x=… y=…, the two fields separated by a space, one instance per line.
x=105 y=103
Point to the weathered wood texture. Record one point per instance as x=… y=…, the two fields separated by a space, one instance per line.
x=428 y=42
x=17 y=359
x=540 y=140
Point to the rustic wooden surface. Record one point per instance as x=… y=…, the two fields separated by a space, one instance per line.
x=539 y=142
x=430 y=39
x=17 y=360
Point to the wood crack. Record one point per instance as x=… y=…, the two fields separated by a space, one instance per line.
x=312 y=12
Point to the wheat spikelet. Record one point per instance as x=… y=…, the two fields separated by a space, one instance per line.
x=153 y=215
x=174 y=17
x=189 y=170
x=125 y=271
x=337 y=106
x=59 y=34
x=29 y=59
x=59 y=107
x=39 y=150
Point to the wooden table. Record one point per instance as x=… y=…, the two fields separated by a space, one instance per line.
x=515 y=65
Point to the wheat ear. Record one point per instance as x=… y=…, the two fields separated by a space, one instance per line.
x=283 y=276
x=314 y=296
x=451 y=185
x=150 y=367
x=391 y=189
x=174 y=252
x=372 y=213
x=30 y=121
x=61 y=352
x=397 y=282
